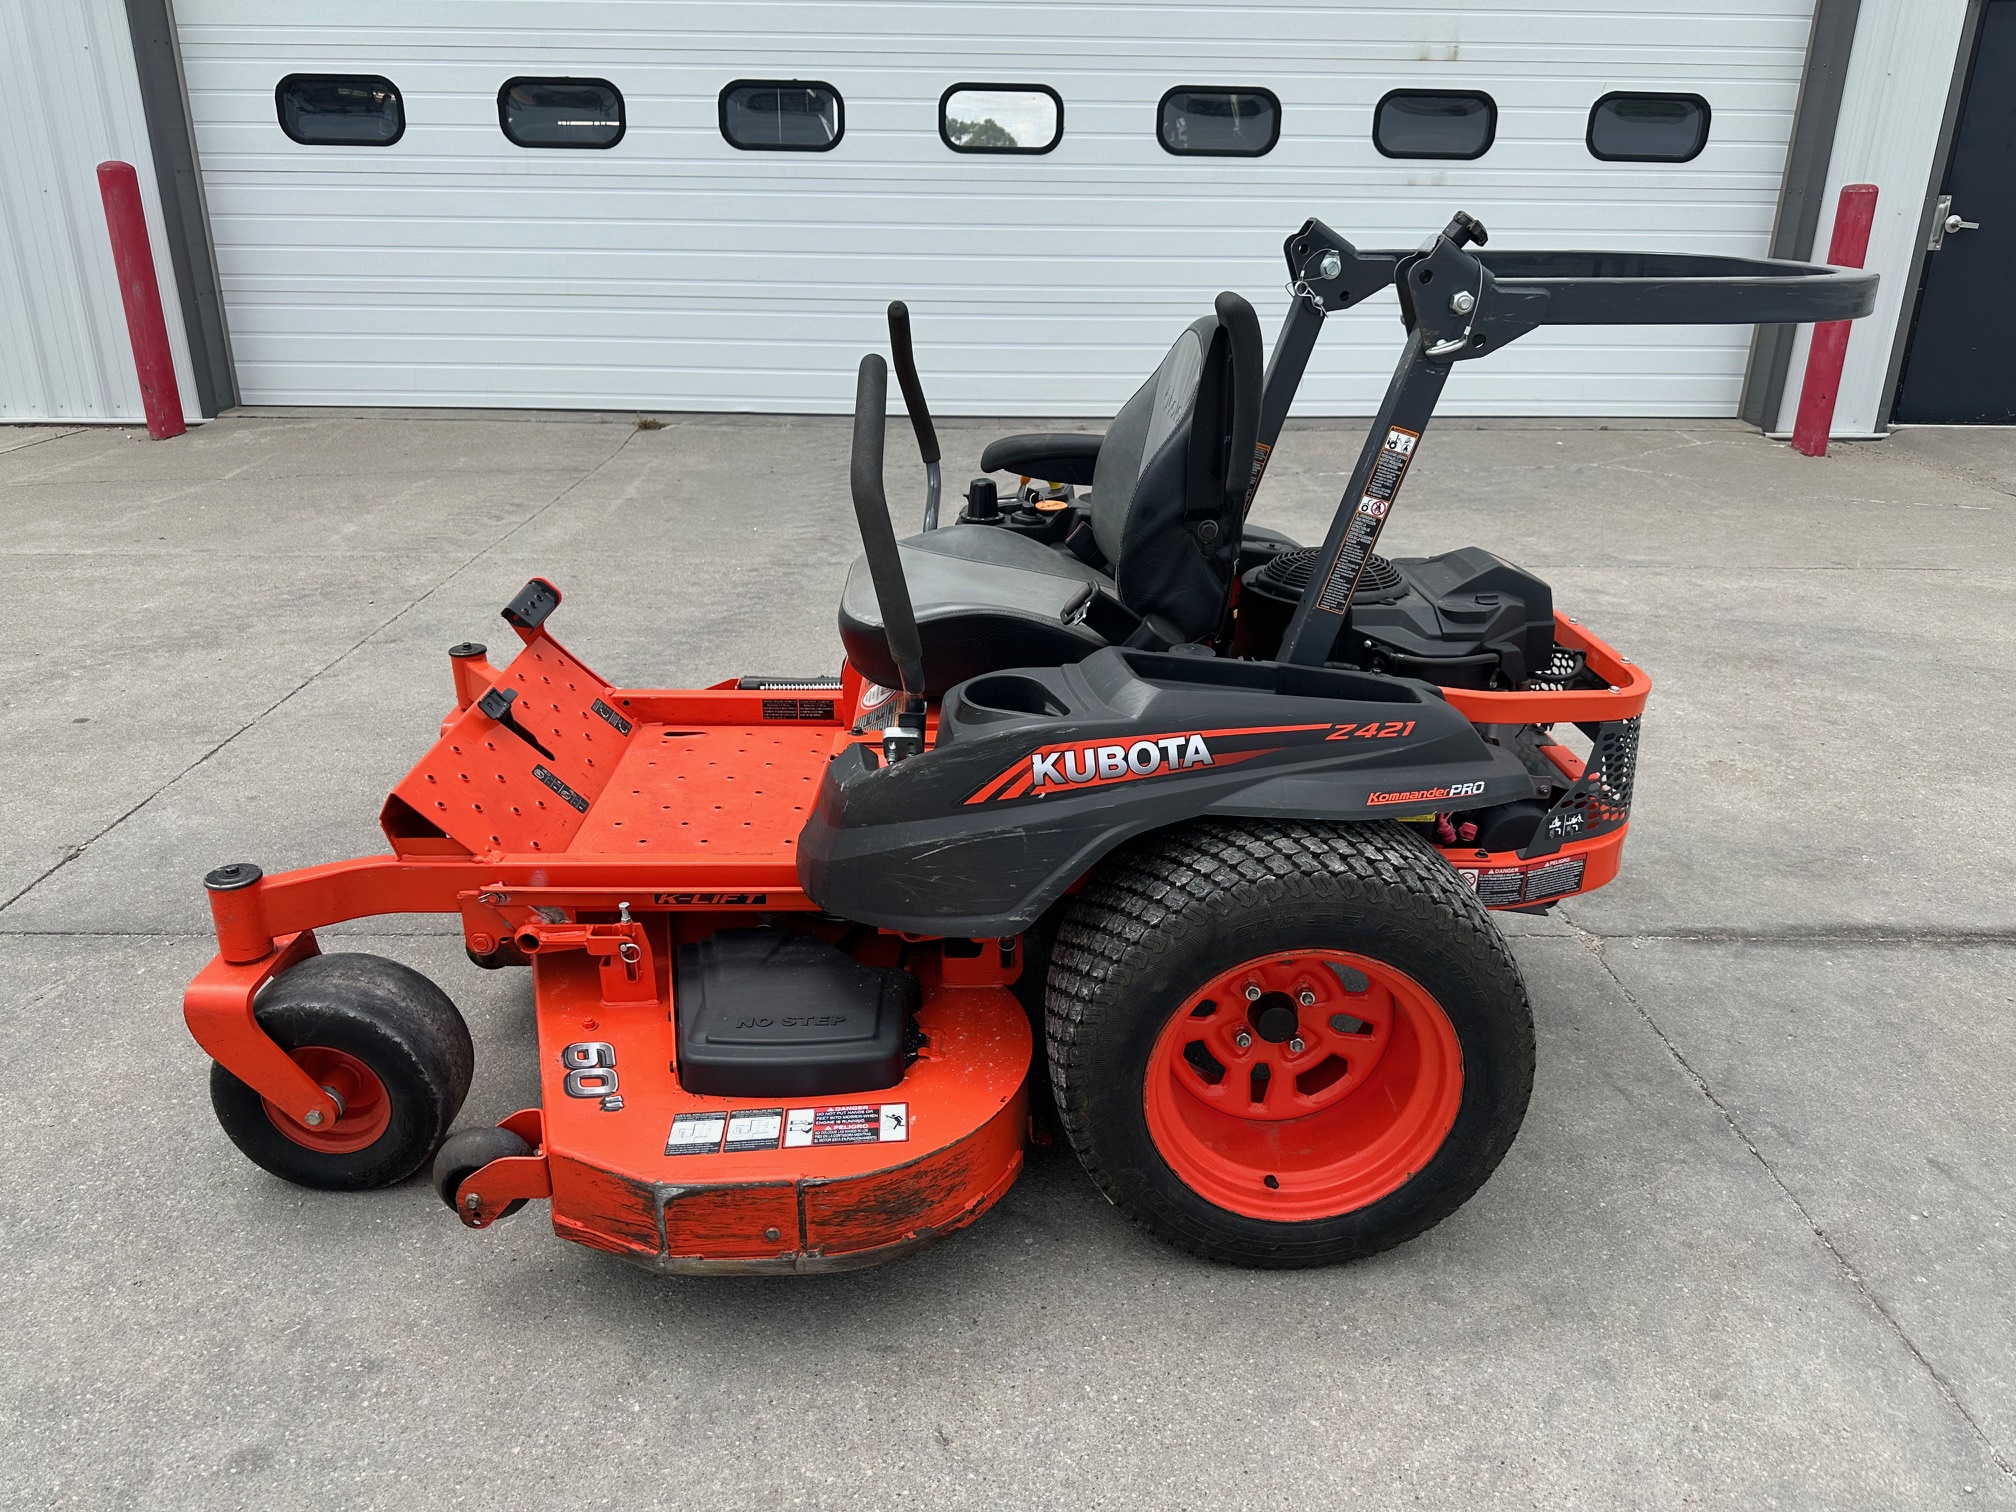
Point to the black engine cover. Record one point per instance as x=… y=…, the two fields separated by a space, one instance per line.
x=769 y=1013
x=1464 y=619
x=1464 y=605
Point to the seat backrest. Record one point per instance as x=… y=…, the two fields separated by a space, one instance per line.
x=1170 y=488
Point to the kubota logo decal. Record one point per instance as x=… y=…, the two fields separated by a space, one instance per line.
x=1144 y=758
x=1078 y=765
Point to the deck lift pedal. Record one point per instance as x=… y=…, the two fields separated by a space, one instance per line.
x=1233 y=857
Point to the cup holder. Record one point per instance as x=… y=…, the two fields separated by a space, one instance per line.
x=1005 y=695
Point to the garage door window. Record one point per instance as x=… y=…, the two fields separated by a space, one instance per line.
x=782 y=115
x=1001 y=117
x=340 y=110
x=1434 y=123
x=1202 y=120
x=1648 y=128
x=561 y=112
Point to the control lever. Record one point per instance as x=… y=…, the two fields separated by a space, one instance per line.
x=983 y=503
x=913 y=401
x=905 y=735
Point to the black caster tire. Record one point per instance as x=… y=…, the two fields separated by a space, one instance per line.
x=466 y=1152
x=391 y=1045
x=1286 y=1044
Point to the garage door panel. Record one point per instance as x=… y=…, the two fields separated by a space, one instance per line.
x=674 y=272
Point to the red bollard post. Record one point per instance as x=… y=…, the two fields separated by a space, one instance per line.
x=1829 y=352
x=133 y=255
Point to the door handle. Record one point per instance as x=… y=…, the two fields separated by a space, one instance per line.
x=1945 y=222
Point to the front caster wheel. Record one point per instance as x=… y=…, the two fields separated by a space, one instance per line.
x=386 y=1042
x=466 y=1152
x=1284 y=1044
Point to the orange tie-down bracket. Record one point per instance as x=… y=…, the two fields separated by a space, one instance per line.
x=622 y=950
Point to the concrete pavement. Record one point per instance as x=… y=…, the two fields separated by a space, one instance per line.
x=1754 y=1247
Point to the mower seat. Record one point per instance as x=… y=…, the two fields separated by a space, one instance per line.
x=1168 y=492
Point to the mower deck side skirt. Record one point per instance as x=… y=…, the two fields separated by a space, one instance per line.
x=960 y=1112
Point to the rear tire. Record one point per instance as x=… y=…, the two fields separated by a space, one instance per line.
x=1380 y=1102
x=392 y=1046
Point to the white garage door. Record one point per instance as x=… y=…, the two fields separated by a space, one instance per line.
x=673 y=271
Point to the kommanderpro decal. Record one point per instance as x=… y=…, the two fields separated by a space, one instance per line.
x=1074 y=766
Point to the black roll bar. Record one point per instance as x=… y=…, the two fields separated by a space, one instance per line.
x=1458 y=305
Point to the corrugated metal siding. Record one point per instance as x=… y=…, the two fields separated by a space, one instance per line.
x=675 y=272
x=69 y=101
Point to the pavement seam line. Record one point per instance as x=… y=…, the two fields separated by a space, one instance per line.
x=1799 y=935
x=31 y=445
x=72 y=852
x=1594 y=944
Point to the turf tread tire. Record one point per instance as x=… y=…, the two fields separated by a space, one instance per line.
x=393 y=1019
x=1153 y=899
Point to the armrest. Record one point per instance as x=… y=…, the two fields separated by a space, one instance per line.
x=1067 y=458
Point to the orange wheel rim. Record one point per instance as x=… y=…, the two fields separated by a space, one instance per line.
x=367 y=1111
x=1303 y=1085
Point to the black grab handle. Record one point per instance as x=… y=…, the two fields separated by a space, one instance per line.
x=906 y=375
x=1247 y=460
x=878 y=536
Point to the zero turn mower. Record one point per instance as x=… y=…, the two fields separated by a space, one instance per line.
x=1220 y=820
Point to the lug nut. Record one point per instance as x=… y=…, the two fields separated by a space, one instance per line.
x=1306 y=998
x=1243 y=1040
x=1295 y=1045
x=1462 y=301
x=1252 y=992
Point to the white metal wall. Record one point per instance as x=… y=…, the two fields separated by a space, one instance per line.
x=1899 y=73
x=69 y=100
x=675 y=272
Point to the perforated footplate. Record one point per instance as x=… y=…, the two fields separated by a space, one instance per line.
x=711 y=792
x=490 y=788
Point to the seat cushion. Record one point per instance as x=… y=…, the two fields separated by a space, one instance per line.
x=985 y=598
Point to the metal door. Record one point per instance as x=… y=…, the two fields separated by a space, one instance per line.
x=1958 y=371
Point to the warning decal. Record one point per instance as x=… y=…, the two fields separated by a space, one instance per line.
x=754 y=1129
x=696 y=1134
x=1261 y=452
x=854 y=1123
x=574 y=799
x=1380 y=488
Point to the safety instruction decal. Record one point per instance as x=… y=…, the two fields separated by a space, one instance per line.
x=754 y=1129
x=1381 y=486
x=854 y=1123
x=696 y=1134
